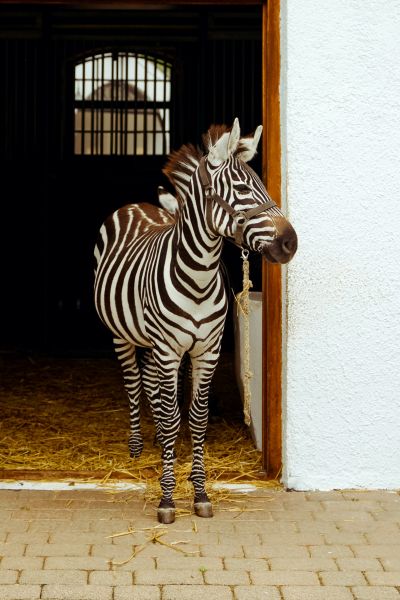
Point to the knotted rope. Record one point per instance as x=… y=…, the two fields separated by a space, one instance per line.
x=243 y=305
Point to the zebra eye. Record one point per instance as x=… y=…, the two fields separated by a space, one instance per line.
x=243 y=189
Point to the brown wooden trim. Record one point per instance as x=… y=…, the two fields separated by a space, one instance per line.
x=272 y=286
x=115 y=4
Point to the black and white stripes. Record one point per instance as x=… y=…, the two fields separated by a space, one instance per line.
x=159 y=286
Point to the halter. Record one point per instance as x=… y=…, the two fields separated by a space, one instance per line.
x=240 y=216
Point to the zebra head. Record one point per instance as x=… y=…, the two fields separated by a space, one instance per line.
x=238 y=205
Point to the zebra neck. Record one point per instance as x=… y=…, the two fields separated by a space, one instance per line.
x=198 y=251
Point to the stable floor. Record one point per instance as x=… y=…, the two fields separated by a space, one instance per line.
x=271 y=545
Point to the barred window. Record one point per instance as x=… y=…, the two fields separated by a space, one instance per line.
x=122 y=105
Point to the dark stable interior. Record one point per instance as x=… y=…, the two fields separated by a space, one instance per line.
x=54 y=198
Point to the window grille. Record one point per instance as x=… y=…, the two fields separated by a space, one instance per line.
x=122 y=105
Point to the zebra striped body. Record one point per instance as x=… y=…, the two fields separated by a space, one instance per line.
x=159 y=286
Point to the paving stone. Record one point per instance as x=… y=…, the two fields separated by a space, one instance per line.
x=266 y=529
x=57 y=550
x=57 y=576
x=383 y=528
x=316 y=527
x=331 y=551
x=376 y=550
x=86 y=563
x=135 y=564
x=22 y=562
x=256 y=592
x=246 y=564
x=256 y=515
x=137 y=592
x=158 y=550
x=76 y=592
x=360 y=564
x=43 y=515
x=353 y=504
x=191 y=562
x=383 y=578
x=54 y=526
x=379 y=495
x=376 y=538
x=336 y=495
x=250 y=539
x=79 y=537
x=293 y=515
x=390 y=564
x=8 y=576
x=344 y=515
x=231 y=551
x=316 y=593
x=294 y=539
x=112 y=552
x=26 y=537
x=226 y=577
x=214 y=525
x=110 y=578
x=302 y=564
x=375 y=593
x=282 y=550
x=305 y=505
x=12 y=549
x=387 y=515
x=342 y=578
x=20 y=592
x=283 y=578
x=165 y=577
x=196 y=592
x=344 y=538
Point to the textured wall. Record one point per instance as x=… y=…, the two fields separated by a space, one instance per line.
x=341 y=146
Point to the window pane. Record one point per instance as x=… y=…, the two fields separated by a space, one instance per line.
x=139 y=143
x=150 y=139
x=110 y=85
x=78 y=143
x=159 y=149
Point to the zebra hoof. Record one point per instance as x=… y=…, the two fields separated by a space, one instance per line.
x=203 y=509
x=135 y=453
x=166 y=515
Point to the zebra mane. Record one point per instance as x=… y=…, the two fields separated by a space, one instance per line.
x=182 y=163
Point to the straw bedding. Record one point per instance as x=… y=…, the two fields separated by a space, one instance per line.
x=72 y=415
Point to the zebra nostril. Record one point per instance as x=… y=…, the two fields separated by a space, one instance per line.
x=287 y=245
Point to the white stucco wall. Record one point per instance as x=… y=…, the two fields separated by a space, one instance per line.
x=340 y=94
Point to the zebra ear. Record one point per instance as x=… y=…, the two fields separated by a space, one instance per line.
x=248 y=145
x=167 y=200
x=234 y=137
x=225 y=146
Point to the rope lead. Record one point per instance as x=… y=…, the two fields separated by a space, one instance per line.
x=242 y=300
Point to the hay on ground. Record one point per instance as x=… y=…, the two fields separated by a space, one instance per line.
x=72 y=415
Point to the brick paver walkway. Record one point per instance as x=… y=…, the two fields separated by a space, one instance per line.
x=285 y=546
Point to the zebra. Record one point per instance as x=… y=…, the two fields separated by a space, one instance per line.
x=158 y=285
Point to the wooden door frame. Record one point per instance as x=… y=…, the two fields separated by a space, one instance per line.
x=272 y=282
x=271 y=145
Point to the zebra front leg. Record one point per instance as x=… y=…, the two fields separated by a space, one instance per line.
x=126 y=354
x=202 y=372
x=169 y=420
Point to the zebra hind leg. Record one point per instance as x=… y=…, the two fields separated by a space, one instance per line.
x=126 y=354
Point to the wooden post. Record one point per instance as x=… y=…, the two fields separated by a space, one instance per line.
x=272 y=285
